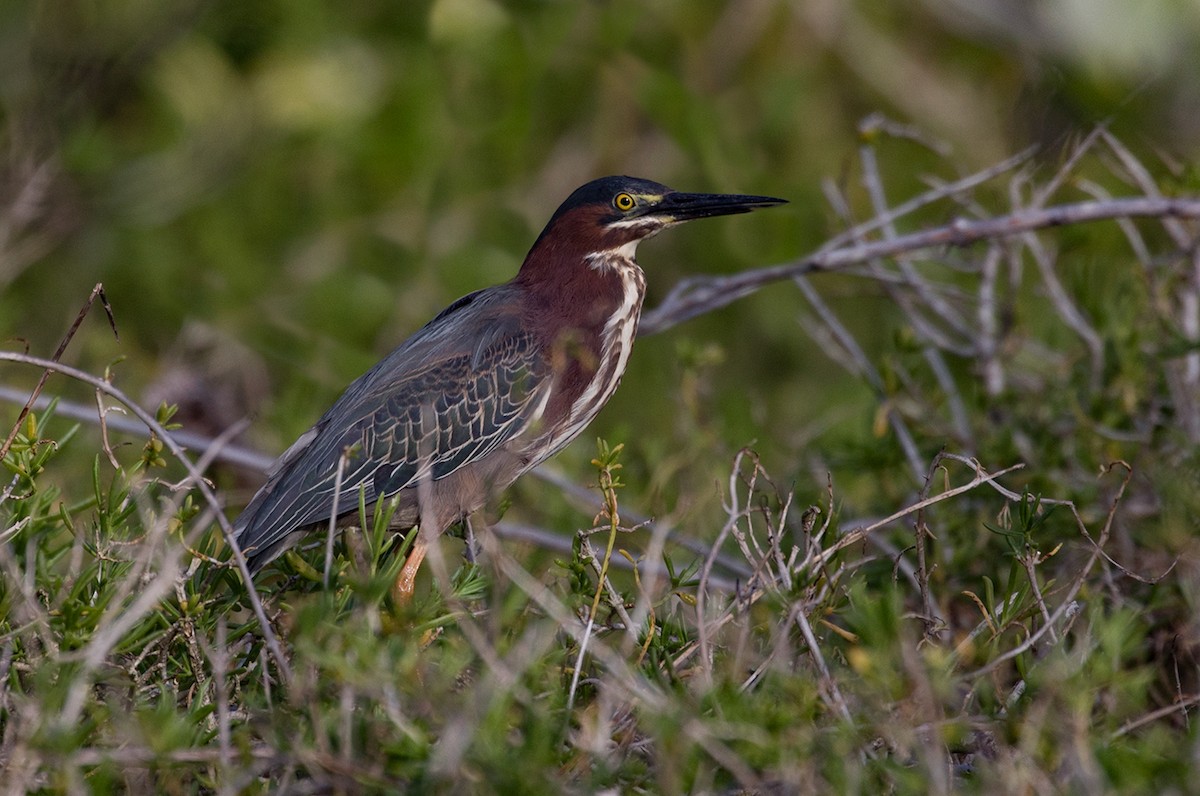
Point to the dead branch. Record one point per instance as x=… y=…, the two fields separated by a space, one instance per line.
x=697 y=295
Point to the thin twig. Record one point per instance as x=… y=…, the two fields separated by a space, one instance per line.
x=859 y=534
x=923 y=535
x=733 y=514
x=835 y=694
x=939 y=192
x=867 y=370
x=197 y=477
x=1179 y=705
x=1068 y=599
x=98 y=290
x=988 y=344
x=233 y=454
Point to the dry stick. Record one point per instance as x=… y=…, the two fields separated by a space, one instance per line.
x=649 y=563
x=934 y=339
x=1132 y=234
x=1070 y=314
x=923 y=534
x=102 y=415
x=197 y=477
x=698 y=295
x=1180 y=704
x=859 y=534
x=1142 y=178
x=98 y=290
x=816 y=558
x=936 y=194
x=868 y=371
x=989 y=326
x=6 y=493
x=1070 y=505
x=842 y=337
x=823 y=557
x=877 y=123
x=741 y=537
x=1190 y=324
x=776 y=533
x=1029 y=562
x=601 y=566
x=733 y=513
x=1076 y=585
x=218 y=656
x=233 y=454
x=208 y=455
x=15 y=528
x=1043 y=194
x=874 y=185
x=835 y=695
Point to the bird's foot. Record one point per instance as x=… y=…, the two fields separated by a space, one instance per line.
x=406 y=581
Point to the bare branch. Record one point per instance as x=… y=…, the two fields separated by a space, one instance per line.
x=698 y=295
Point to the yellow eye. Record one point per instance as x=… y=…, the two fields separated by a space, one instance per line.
x=624 y=202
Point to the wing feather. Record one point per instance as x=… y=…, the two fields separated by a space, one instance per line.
x=430 y=408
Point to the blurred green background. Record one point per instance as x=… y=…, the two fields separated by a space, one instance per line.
x=276 y=193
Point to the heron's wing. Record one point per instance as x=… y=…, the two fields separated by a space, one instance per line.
x=429 y=408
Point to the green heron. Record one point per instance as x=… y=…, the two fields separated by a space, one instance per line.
x=497 y=383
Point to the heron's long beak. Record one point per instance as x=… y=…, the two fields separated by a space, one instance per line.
x=679 y=206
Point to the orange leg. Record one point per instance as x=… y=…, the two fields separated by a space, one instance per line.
x=406 y=581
